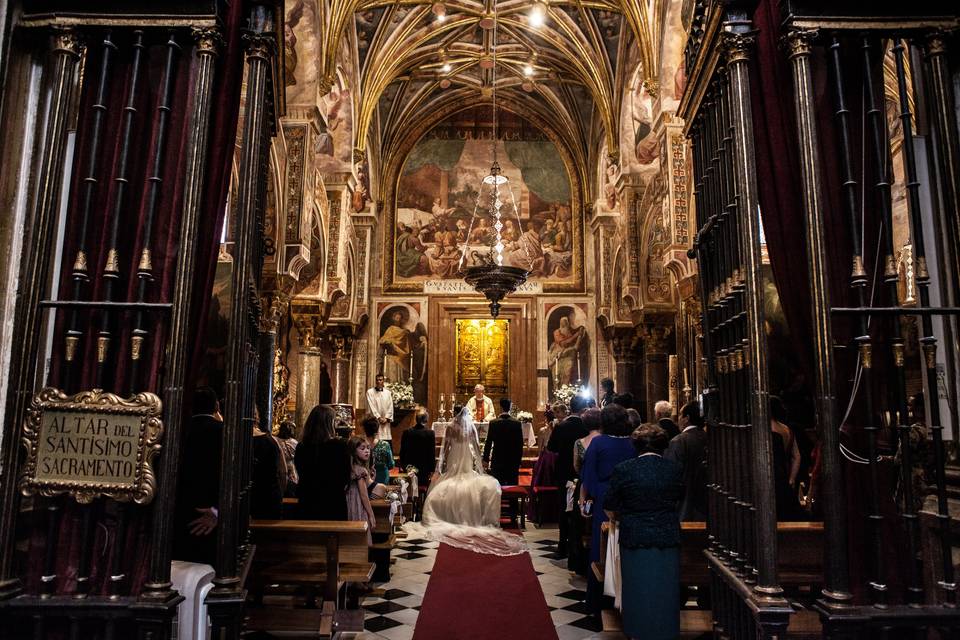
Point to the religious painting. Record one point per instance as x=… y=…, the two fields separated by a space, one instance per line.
x=435 y=233
x=301 y=51
x=639 y=147
x=568 y=344
x=402 y=345
x=333 y=146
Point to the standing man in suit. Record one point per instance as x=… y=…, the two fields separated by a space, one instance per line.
x=481 y=407
x=196 y=515
x=663 y=411
x=418 y=447
x=506 y=439
x=561 y=443
x=689 y=450
x=380 y=406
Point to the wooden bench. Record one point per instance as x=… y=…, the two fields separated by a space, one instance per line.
x=295 y=561
x=516 y=498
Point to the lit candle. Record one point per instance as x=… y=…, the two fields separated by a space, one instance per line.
x=579 y=379
x=686 y=383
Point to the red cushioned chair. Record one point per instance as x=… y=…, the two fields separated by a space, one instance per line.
x=543 y=495
x=516 y=498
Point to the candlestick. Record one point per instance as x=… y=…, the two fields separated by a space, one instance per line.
x=579 y=378
x=686 y=383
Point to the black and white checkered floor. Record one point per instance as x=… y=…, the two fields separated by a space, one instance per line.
x=393 y=612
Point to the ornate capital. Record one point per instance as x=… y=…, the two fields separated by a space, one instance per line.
x=738 y=45
x=936 y=44
x=274 y=306
x=259 y=46
x=311 y=328
x=624 y=343
x=800 y=41
x=209 y=41
x=654 y=337
x=67 y=40
x=342 y=345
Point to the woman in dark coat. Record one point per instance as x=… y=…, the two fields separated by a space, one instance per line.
x=323 y=466
x=642 y=498
x=605 y=452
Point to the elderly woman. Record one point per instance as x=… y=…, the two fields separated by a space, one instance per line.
x=642 y=498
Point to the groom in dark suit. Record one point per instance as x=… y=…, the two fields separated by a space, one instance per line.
x=505 y=437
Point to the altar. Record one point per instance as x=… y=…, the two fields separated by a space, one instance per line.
x=529 y=437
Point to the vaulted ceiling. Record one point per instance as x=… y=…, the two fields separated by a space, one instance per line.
x=417 y=59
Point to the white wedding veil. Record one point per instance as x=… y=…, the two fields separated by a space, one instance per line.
x=462 y=508
x=461 y=447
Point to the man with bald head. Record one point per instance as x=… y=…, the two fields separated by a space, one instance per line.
x=481 y=407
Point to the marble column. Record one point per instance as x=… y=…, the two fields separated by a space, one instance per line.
x=340 y=374
x=655 y=365
x=309 y=366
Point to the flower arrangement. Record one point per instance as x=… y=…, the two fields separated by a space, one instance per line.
x=565 y=393
x=401 y=393
x=524 y=416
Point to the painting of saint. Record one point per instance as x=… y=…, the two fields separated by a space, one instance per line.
x=436 y=233
x=402 y=345
x=568 y=353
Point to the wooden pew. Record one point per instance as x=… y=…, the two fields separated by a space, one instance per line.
x=297 y=559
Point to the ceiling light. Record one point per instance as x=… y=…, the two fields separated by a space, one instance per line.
x=538 y=14
x=446 y=67
x=442 y=18
x=528 y=70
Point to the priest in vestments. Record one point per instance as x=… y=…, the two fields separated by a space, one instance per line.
x=480 y=406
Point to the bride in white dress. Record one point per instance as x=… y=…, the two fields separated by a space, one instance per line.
x=462 y=507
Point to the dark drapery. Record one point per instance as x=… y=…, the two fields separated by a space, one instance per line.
x=164 y=248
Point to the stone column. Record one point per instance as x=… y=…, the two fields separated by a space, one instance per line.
x=655 y=364
x=340 y=375
x=310 y=328
x=627 y=377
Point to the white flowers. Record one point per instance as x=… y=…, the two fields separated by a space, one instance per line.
x=400 y=392
x=565 y=393
x=524 y=416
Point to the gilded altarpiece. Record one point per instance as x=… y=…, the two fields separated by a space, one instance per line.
x=483 y=355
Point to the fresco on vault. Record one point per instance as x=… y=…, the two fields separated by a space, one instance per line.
x=437 y=192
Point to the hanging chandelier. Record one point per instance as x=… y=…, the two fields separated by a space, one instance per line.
x=485 y=271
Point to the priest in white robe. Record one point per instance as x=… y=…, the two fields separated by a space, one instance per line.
x=481 y=407
x=380 y=406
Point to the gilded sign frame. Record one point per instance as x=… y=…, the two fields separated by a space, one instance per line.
x=147 y=406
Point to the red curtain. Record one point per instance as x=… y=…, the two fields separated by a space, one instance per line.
x=780 y=191
x=165 y=252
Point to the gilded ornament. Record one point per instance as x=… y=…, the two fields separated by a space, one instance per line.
x=136 y=346
x=738 y=45
x=898 y=354
x=866 y=355
x=71 y=348
x=113 y=262
x=67 y=40
x=80 y=264
x=145 y=262
x=103 y=345
x=86 y=425
x=800 y=41
x=930 y=355
x=858 y=272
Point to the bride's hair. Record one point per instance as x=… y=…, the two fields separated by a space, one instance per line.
x=457 y=408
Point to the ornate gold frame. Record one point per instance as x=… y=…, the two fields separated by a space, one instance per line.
x=146 y=405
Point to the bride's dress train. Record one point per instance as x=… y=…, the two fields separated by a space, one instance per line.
x=462 y=507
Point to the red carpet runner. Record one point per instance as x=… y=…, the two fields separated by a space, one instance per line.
x=474 y=596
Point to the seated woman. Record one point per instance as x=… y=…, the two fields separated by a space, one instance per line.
x=462 y=507
x=381 y=451
x=323 y=468
x=642 y=499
